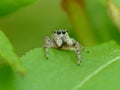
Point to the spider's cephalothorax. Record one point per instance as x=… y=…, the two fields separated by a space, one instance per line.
x=60 y=39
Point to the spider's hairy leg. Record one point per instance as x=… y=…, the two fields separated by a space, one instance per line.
x=84 y=49
x=77 y=50
x=47 y=45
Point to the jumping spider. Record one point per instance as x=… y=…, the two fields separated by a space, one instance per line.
x=61 y=40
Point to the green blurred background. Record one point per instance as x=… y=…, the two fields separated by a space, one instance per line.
x=27 y=27
x=88 y=21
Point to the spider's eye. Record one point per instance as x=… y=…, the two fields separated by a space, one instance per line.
x=58 y=32
x=63 y=32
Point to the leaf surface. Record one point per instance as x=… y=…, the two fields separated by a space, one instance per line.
x=61 y=72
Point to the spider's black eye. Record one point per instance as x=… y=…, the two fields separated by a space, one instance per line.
x=63 y=32
x=58 y=32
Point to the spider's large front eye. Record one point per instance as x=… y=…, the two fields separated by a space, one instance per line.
x=63 y=32
x=58 y=32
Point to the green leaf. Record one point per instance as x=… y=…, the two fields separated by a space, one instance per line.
x=8 y=56
x=99 y=18
x=8 y=6
x=61 y=72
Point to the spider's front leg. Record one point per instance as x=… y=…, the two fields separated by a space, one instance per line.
x=47 y=45
x=77 y=50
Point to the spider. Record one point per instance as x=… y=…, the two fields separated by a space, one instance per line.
x=61 y=40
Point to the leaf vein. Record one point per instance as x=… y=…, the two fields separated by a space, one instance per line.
x=94 y=73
